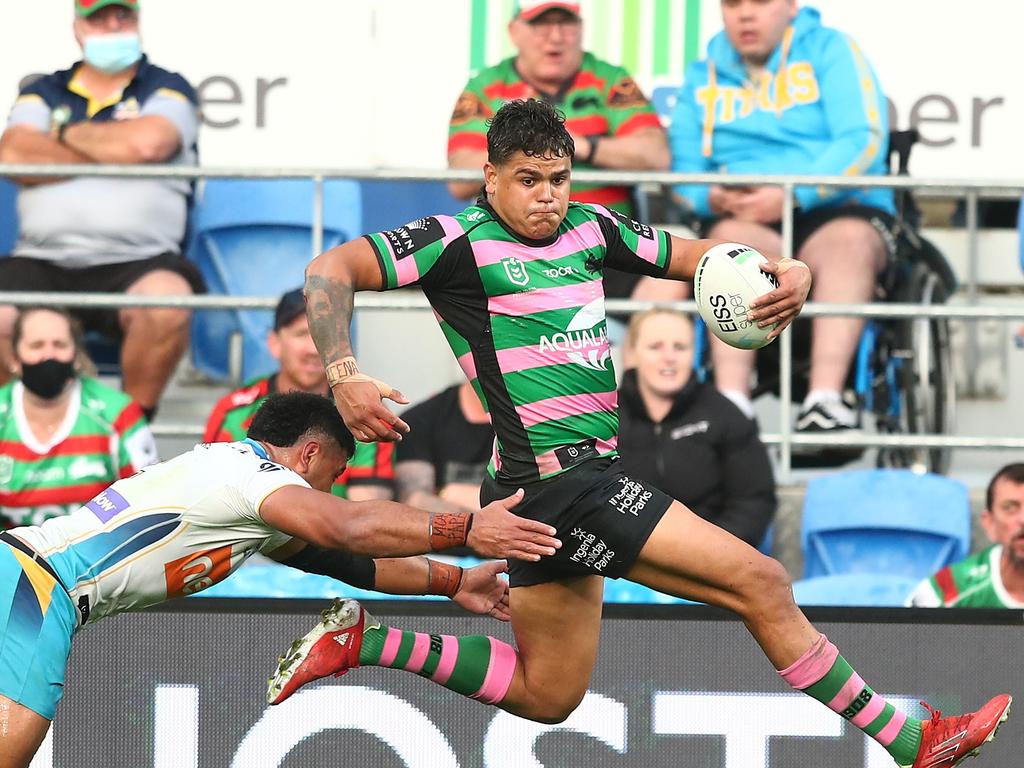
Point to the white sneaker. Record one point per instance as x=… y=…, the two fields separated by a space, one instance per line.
x=827 y=415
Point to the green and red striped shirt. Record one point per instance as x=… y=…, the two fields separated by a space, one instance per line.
x=526 y=320
x=599 y=100
x=974 y=582
x=103 y=437
x=229 y=422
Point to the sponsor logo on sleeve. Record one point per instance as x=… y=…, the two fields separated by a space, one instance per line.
x=641 y=230
x=413 y=236
x=107 y=504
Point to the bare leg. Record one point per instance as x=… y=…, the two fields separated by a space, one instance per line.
x=845 y=257
x=21 y=733
x=689 y=557
x=154 y=339
x=734 y=367
x=8 y=314
x=557 y=628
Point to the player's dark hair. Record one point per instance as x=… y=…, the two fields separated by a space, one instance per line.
x=1012 y=472
x=285 y=418
x=532 y=127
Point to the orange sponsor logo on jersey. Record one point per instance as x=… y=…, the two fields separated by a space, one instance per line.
x=197 y=571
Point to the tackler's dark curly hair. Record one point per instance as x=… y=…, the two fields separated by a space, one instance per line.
x=532 y=127
x=284 y=418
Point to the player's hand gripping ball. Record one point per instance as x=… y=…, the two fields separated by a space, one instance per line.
x=727 y=279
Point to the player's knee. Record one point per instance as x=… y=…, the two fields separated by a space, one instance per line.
x=766 y=584
x=555 y=707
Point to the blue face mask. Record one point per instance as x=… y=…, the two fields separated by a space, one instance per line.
x=112 y=53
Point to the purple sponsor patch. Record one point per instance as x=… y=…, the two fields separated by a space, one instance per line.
x=107 y=504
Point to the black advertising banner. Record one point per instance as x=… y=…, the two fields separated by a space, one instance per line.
x=183 y=687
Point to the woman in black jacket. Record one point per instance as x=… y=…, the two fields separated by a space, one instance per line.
x=685 y=437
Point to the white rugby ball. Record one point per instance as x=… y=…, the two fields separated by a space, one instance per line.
x=727 y=279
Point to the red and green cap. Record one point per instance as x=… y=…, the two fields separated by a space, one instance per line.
x=86 y=8
x=528 y=10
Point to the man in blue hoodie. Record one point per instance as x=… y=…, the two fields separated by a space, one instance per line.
x=781 y=94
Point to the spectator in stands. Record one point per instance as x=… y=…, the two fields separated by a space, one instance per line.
x=994 y=577
x=610 y=119
x=683 y=435
x=110 y=235
x=369 y=474
x=613 y=124
x=440 y=464
x=781 y=94
x=64 y=436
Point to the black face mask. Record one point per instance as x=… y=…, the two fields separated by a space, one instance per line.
x=46 y=379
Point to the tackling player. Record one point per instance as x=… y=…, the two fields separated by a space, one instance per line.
x=178 y=527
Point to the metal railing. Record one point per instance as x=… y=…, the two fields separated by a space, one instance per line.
x=970 y=190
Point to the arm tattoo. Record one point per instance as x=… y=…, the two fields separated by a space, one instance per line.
x=414 y=477
x=329 y=305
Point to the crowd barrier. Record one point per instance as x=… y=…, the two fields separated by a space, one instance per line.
x=970 y=190
x=183 y=686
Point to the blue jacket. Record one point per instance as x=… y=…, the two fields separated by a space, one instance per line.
x=818 y=111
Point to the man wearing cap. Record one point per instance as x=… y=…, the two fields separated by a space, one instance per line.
x=370 y=472
x=106 y=234
x=610 y=119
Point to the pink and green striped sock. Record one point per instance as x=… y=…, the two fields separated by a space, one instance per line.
x=825 y=675
x=474 y=665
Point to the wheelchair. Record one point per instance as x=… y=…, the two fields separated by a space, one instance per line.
x=902 y=373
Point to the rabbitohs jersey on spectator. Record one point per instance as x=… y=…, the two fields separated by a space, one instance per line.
x=526 y=320
x=599 y=100
x=104 y=437
x=229 y=421
x=974 y=582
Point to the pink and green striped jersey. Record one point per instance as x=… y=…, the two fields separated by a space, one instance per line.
x=526 y=320
x=974 y=582
x=103 y=438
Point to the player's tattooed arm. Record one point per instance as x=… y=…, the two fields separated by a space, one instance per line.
x=415 y=482
x=329 y=304
x=332 y=279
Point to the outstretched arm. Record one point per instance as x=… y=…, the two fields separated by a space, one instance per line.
x=332 y=279
x=479 y=589
x=390 y=529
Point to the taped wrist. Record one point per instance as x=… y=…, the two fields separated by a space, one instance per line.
x=347 y=370
x=443 y=578
x=357 y=570
x=449 y=529
x=784 y=265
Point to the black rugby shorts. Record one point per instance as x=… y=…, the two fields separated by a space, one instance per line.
x=602 y=516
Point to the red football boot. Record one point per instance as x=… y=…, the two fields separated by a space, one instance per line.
x=330 y=648
x=946 y=741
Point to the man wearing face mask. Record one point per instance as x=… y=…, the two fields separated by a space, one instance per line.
x=106 y=234
x=63 y=434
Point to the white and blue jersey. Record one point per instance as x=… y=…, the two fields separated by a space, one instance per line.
x=172 y=529
x=816 y=109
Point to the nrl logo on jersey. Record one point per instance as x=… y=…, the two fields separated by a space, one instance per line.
x=516 y=270
x=585 y=340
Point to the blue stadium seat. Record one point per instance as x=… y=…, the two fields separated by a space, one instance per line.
x=253 y=238
x=390 y=204
x=877 y=590
x=8 y=216
x=885 y=521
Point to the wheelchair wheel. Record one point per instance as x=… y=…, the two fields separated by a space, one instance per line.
x=925 y=402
